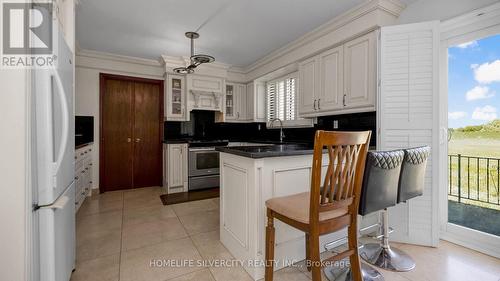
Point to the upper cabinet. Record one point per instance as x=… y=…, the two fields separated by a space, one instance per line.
x=231 y=102
x=175 y=98
x=340 y=80
x=330 y=80
x=360 y=72
x=245 y=103
x=308 y=85
x=236 y=102
x=256 y=101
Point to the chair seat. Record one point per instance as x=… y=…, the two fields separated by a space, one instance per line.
x=296 y=207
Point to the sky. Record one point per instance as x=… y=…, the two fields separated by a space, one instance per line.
x=474 y=82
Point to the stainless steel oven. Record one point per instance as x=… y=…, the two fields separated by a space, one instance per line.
x=203 y=168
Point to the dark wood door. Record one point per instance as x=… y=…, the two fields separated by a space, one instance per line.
x=131 y=132
x=147 y=137
x=117 y=147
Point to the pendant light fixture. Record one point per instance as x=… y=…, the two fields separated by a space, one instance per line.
x=196 y=60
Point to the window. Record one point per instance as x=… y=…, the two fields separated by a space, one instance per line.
x=281 y=98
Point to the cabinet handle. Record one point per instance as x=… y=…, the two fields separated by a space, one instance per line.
x=314 y=105
x=319 y=107
x=129 y=139
x=137 y=140
x=343 y=99
x=238 y=115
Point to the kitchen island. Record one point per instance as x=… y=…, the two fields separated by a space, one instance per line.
x=248 y=177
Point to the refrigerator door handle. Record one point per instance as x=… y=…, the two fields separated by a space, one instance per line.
x=59 y=204
x=65 y=121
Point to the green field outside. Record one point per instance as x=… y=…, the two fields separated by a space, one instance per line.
x=475 y=144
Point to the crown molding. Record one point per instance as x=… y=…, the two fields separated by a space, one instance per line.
x=380 y=8
x=491 y=12
x=117 y=58
x=393 y=7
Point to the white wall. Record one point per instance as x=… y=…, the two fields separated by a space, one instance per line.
x=88 y=67
x=425 y=10
x=13 y=174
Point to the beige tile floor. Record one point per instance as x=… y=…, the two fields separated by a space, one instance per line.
x=119 y=233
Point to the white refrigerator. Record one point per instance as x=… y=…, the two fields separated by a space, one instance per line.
x=53 y=220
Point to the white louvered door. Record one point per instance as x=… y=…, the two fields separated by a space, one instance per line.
x=407 y=113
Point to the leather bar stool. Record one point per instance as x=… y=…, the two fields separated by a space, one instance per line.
x=379 y=191
x=410 y=185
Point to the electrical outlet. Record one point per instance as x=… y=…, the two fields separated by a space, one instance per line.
x=335 y=124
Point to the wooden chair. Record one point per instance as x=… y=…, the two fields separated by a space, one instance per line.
x=327 y=208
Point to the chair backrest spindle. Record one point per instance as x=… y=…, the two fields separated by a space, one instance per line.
x=342 y=181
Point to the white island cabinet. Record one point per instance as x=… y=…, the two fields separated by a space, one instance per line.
x=246 y=184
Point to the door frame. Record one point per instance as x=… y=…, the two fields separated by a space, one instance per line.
x=477 y=24
x=103 y=77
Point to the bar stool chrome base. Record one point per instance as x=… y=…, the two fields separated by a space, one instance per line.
x=386 y=257
x=334 y=273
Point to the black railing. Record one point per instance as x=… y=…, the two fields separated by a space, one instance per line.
x=474 y=180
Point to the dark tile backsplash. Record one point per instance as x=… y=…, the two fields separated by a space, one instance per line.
x=202 y=126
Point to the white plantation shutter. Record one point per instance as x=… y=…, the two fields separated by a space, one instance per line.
x=271 y=101
x=290 y=99
x=280 y=85
x=281 y=97
x=407 y=110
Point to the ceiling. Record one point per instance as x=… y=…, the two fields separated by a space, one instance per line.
x=236 y=32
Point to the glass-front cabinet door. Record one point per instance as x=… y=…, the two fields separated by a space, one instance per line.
x=230 y=101
x=175 y=100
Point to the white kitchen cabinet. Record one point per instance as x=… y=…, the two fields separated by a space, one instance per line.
x=175 y=98
x=360 y=72
x=256 y=101
x=83 y=174
x=176 y=167
x=236 y=102
x=308 y=85
x=242 y=113
x=340 y=80
x=231 y=102
x=330 y=80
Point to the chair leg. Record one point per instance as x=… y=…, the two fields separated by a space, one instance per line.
x=353 y=245
x=269 y=246
x=308 y=253
x=314 y=259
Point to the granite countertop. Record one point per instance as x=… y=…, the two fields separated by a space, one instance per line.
x=83 y=145
x=257 y=152
x=176 y=141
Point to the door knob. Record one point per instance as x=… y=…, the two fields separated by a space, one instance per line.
x=137 y=140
